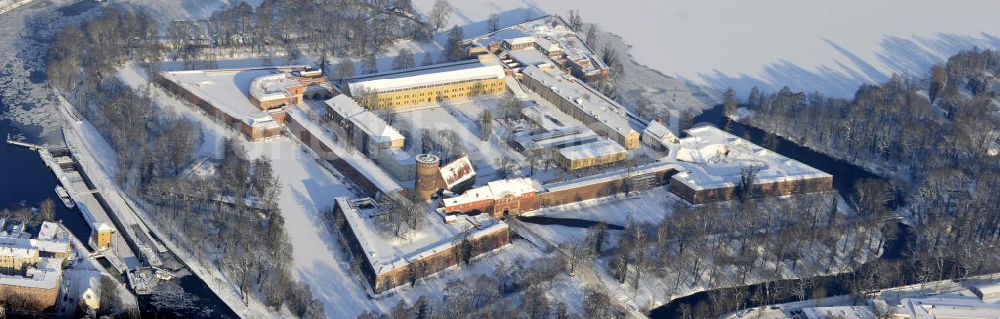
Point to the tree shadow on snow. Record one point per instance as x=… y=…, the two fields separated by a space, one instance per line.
x=913 y=56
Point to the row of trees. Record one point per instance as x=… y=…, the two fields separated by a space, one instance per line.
x=740 y=242
x=46 y=213
x=514 y=289
x=939 y=133
x=403 y=215
x=334 y=28
x=932 y=138
x=722 y=244
x=914 y=125
x=444 y=143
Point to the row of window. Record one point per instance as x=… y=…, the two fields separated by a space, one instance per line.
x=487 y=87
x=435 y=85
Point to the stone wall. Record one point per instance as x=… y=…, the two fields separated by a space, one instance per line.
x=36 y=298
x=770 y=189
x=440 y=260
x=238 y=124
x=605 y=188
x=329 y=156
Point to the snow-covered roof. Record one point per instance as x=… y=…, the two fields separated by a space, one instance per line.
x=51 y=238
x=947 y=307
x=44 y=275
x=556 y=138
x=548 y=117
x=713 y=158
x=457 y=171
x=385 y=253
x=272 y=86
x=261 y=119
x=612 y=175
x=48 y=230
x=530 y=57
x=843 y=312
x=989 y=289
x=586 y=99
x=603 y=147
x=520 y=40
x=496 y=189
x=366 y=166
x=401 y=157
x=513 y=187
x=226 y=89
x=368 y=122
x=550 y=33
x=659 y=131
x=17 y=251
x=426 y=76
x=13 y=229
x=547 y=45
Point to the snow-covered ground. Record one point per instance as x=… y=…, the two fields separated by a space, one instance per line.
x=829 y=45
x=166 y=11
x=652 y=206
x=307 y=190
x=461 y=117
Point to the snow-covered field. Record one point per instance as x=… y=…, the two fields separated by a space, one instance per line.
x=166 y=11
x=829 y=45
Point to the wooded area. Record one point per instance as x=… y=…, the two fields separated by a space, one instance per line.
x=327 y=28
x=931 y=137
x=230 y=220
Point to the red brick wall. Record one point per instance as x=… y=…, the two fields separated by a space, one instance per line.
x=514 y=206
x=584 y=192
x=279 y=117
x=432 y=263
x=37 y=298
x=782 y=188
x=483 y=205
x=326 y=154
x=439 y=261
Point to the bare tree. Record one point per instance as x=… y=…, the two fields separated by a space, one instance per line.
x=575 y=21
x=440 y=14
x=110 y=303
x=47 y=210
x=745 y=190
x=454 y=48
x=729 y=102
x=403 y=60
x=493 y=23
x=485 y=125
x=370 y=65
x=345 y=69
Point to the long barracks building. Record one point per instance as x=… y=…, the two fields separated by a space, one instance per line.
x=595 y=110
x=435 y=83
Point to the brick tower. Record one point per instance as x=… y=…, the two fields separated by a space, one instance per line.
x=428 y=175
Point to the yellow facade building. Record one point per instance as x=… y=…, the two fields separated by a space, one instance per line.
x=16 y=258
x=430 y=84
x=599 y=153
x=102 y=236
